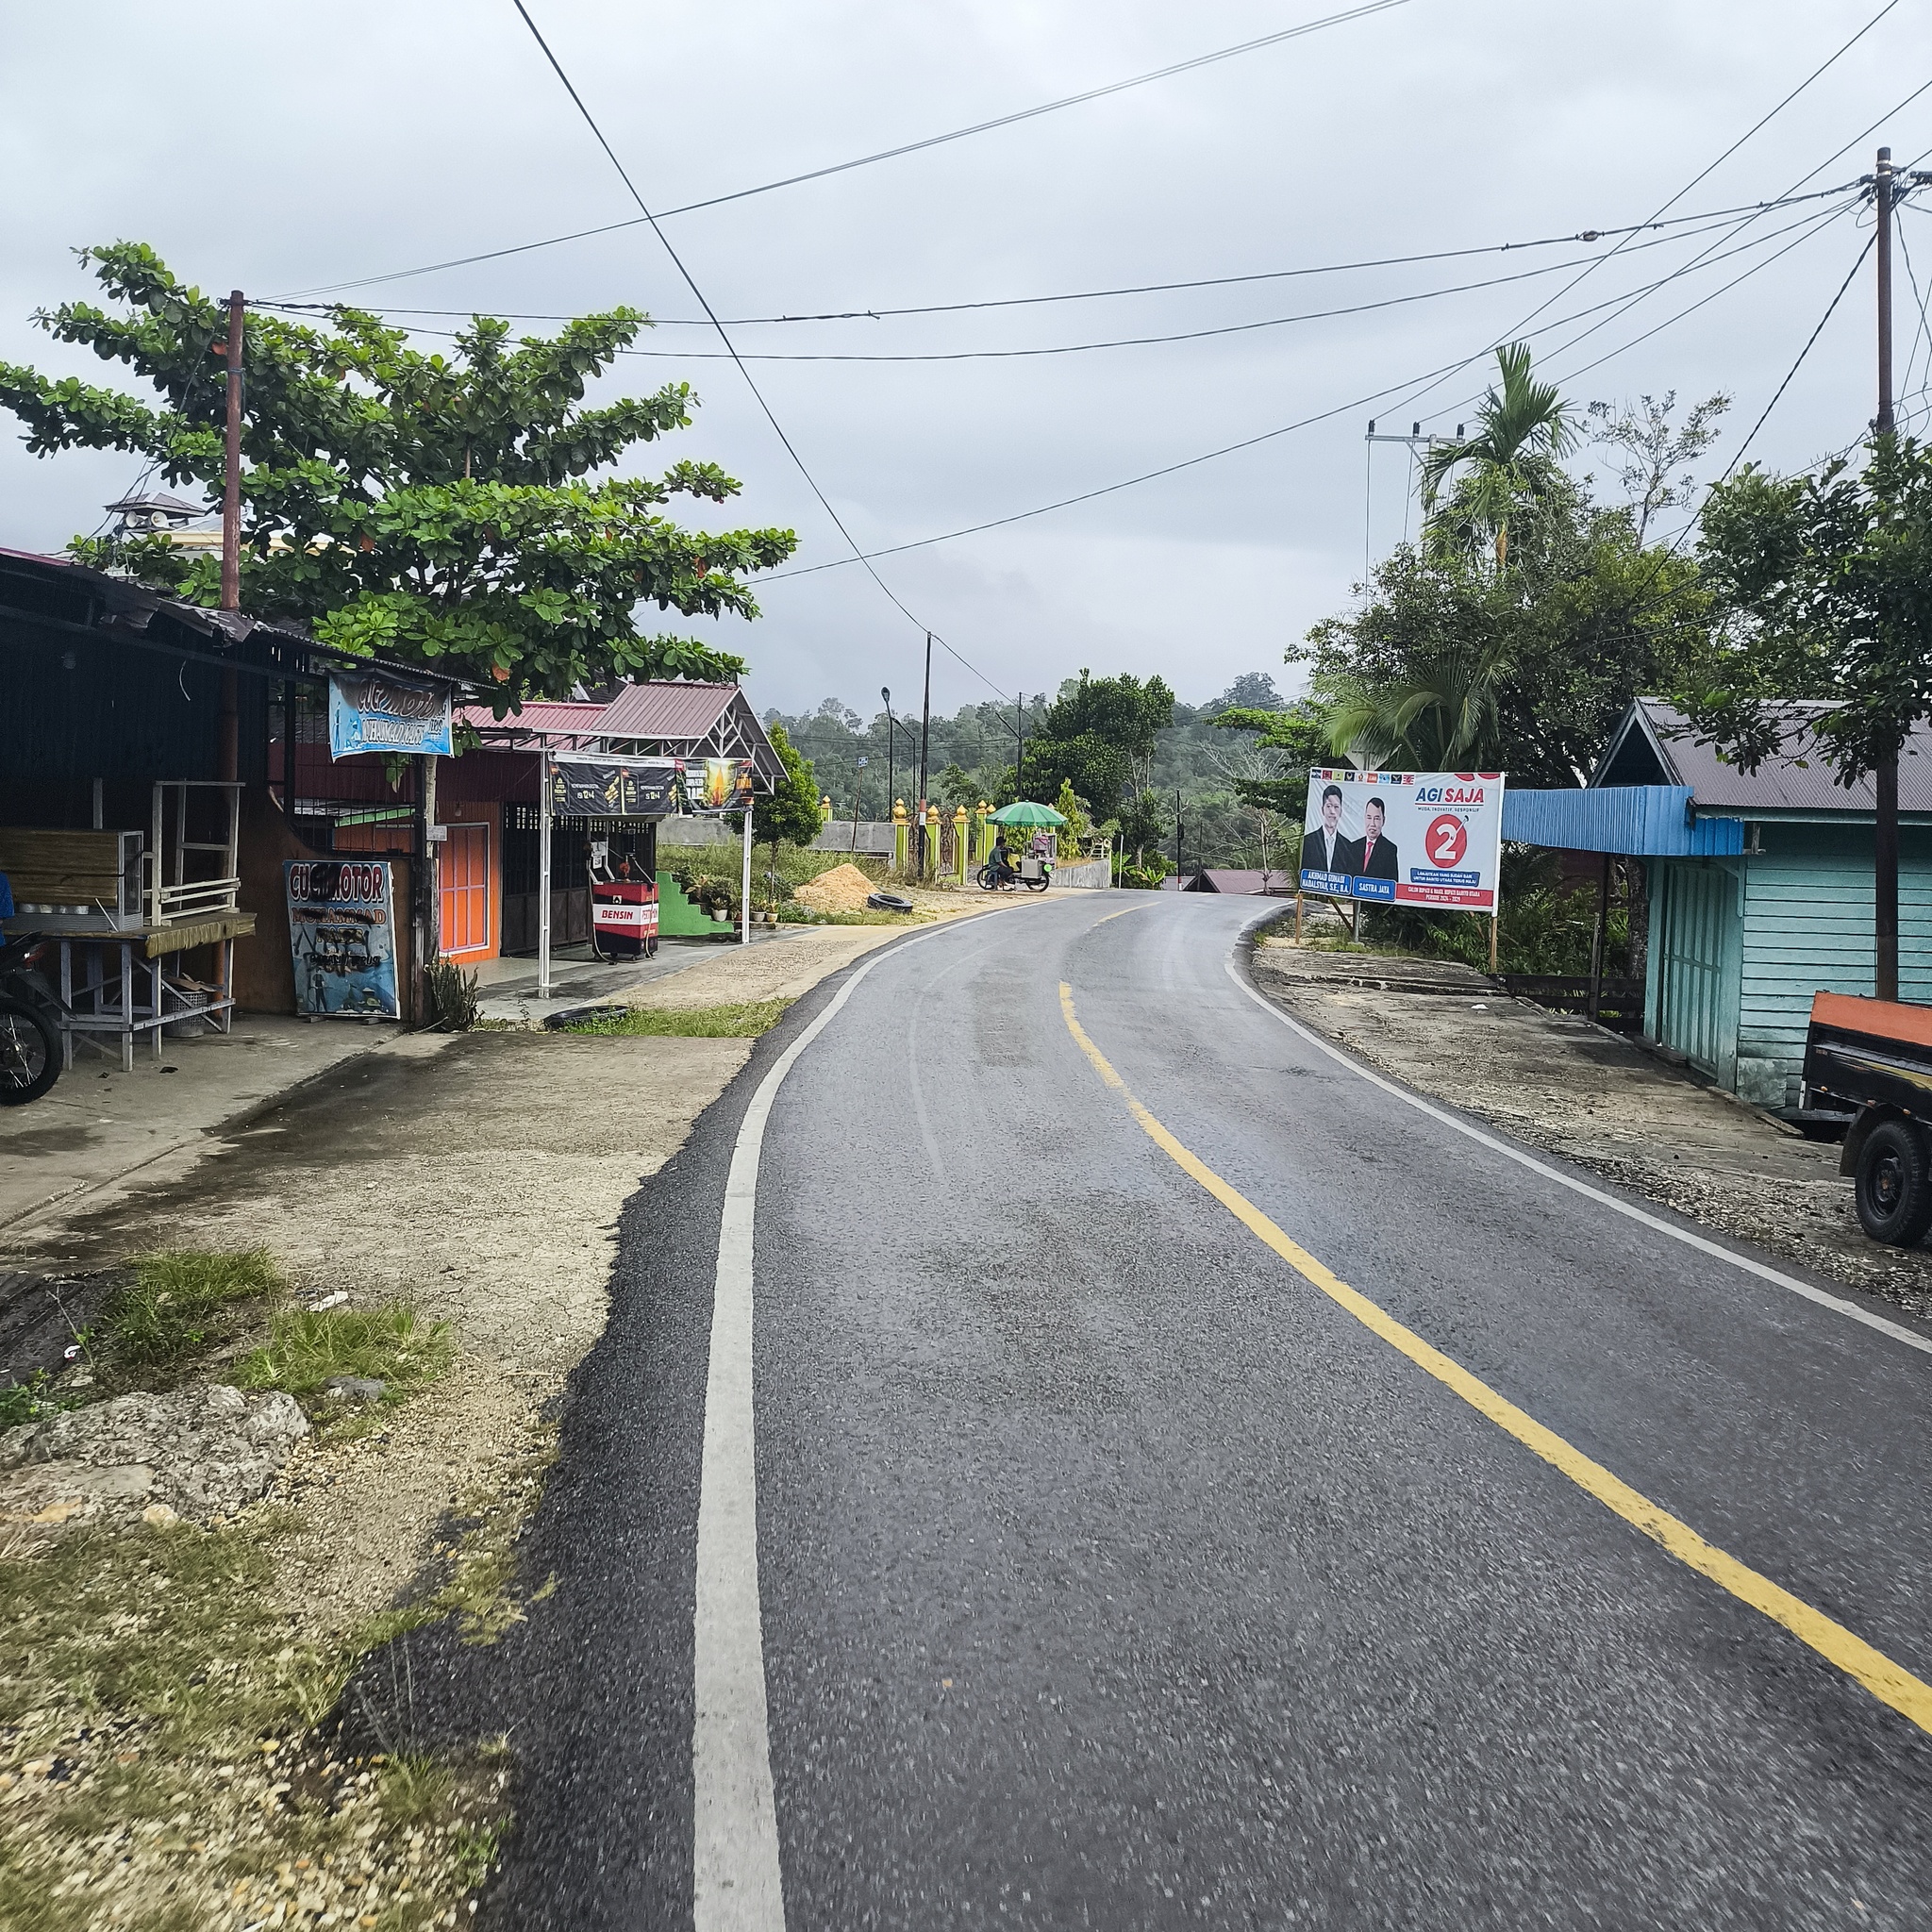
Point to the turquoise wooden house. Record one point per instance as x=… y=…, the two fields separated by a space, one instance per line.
x=1760 y=886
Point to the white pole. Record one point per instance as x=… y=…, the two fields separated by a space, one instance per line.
x=543 y=874
x=745 y=890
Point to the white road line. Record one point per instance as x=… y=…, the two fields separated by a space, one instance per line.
x=1761 y=1269
x=736 y=1883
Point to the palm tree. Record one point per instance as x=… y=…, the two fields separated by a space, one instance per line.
x=1521 y=429
x=1443 y=716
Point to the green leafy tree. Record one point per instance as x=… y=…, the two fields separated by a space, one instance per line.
x=1144 y=824
x=1654 y=453
x=1099 y=736
x=790 y=811
x=1510 y=466
x=1827 y=583
x=432 y=509
x=1445 y=665
x=1078 y=826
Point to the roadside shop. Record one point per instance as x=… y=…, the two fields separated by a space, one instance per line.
x=168 y=788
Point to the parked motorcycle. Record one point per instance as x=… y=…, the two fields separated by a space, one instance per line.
x=29 y=1021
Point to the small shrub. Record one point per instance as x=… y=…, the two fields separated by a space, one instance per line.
x=746 y=1021
x=32 y=1401
x=1140 y=878
x=307 y=1346
x=168 y=1311
x=452 y=995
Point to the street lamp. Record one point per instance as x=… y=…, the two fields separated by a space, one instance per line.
x=885 y=694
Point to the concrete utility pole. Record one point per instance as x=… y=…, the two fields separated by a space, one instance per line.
x=924 y=739
x=228 y=735
x=885 y=691
x=1885 y=775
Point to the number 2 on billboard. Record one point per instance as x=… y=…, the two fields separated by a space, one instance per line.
x=1447 y=840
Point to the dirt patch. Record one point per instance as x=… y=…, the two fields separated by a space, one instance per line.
x=1561 y=1084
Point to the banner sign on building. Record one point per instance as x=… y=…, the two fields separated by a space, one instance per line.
x=343 y=936
x=716 y=784
x=375 y=712
x=591 y=788
x=1405 y=837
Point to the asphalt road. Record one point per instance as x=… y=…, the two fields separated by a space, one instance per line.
x=1112 y=1575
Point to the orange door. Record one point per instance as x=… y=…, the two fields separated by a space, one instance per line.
x=466 y=890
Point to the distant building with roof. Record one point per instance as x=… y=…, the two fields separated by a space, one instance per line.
x=1760 y=884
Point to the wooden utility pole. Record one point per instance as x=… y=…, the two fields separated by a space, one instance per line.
x=1885 y=774
x=228 y=737
x=924 y=740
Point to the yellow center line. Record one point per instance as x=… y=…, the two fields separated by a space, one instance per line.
x=1121 y=914
x=1889 y=1682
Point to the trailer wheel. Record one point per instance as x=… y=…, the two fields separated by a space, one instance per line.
x=1893 y=1186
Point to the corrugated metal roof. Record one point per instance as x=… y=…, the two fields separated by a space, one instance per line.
x=667 y=709
x=1799 y=778
x=540 y=718
x=1647 y=821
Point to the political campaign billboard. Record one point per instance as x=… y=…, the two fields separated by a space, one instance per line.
x=1405 y=837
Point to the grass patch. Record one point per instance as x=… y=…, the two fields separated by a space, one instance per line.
x=175 y=1307
x=306 y=1347
x=744 y=1021
x=156 y=1707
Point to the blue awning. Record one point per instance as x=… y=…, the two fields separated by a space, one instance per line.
x=1643 y=821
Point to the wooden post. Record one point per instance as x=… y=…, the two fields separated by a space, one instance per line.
x=1297 y=919
x=1495 y=923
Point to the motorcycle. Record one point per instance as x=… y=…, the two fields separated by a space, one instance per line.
x=30 y=1015
x=1034 y=874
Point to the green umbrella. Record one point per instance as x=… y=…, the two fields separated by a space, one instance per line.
x=1026 y=813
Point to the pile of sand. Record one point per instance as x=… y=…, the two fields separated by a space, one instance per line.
x=844 y=889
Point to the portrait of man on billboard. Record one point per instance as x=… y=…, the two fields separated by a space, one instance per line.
x=1324 y=849
x=1375 y=852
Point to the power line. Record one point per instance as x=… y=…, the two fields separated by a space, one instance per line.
x=1831 y=309
x=1211 y=455
x=1705 y=174
x=1760 y=122
x=888 y=153
x=750 y=382
x=1187 y=335
x=1715 y=216
x=1233 y=328
x=1810 y=228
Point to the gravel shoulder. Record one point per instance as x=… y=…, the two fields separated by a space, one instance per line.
x=1577 y=1090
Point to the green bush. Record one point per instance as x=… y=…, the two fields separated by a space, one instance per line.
x=171 y=1309
x=307 y=1347
x=1140 y=878
x=452 y=995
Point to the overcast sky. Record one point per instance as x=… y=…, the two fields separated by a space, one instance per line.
x=282 y=148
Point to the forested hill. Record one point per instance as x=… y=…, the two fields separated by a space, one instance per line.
x=970 y=756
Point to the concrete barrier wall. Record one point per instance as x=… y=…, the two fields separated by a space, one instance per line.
x=1087 y=874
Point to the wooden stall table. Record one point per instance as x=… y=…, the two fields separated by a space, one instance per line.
x=113 y=966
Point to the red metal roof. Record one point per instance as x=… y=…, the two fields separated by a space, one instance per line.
x=667 y=709
x=540 y=717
